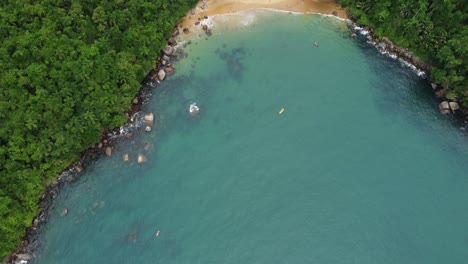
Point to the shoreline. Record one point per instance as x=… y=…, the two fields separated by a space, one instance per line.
x=423 y=69
x=222 y=7
x=29 y=243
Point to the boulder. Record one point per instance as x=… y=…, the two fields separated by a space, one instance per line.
x=161 y=74
x=126 y=157
x=197 y=23
x=353 y=35
x=163 y=62
x=434 y=86
x=149 y=118
x=24 y=256
x=108 y=151
x=387 y=42
x=168 y=50
x=444 y=107
x=141 y=158
x=205 y=27
x=135 y=100
x=186 y=30
x=36 y=222
x=148 y=129
x=454 y=106
x=78 y=168
x=169 y=70
x=172 y=41
x=99 y=145
x=175 y=32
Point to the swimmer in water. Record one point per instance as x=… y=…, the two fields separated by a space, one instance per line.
x=316 y=44
x=157 y=233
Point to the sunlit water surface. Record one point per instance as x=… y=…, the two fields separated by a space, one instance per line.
x=360 y=167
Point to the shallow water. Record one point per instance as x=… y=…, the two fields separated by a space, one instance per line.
x=360 y=167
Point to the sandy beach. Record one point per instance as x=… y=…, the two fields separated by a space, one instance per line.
x=218 y=7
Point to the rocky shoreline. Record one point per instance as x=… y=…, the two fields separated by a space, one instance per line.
x=423 y=69
x=164 y=67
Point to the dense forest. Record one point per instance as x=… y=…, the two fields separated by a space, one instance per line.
x=69 y=70
x=435 y=30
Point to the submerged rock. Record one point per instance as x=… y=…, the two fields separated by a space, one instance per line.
x=444 y=107
x=147 y=146
x=108 y=151
x=149 y=118
x=141 y=159
x=169 y=70
x=186 y=30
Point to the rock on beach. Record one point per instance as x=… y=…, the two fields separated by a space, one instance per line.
x=168 y=50
x=444 y=107
x=454 y=106
x=161 y=74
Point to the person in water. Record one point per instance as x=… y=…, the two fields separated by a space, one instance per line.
x=157 y=233
x=65 y=212
x=316 y=44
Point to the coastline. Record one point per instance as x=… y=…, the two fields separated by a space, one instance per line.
x=423 y=69
x=221 y=7
x=215 y=8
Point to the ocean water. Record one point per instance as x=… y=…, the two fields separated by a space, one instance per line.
x=359 y=168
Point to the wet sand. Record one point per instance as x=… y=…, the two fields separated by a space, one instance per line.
x=218 y=7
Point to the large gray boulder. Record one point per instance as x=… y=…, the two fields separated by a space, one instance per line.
x=149 y=118
x=454 y=106
x=444 y=107
x=161 y=74
x=108 y=151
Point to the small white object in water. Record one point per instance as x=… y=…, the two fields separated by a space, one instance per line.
x=194 y=109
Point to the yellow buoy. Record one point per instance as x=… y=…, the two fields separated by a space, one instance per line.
x=281 y=111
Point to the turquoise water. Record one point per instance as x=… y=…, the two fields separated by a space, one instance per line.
x=360 y=167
